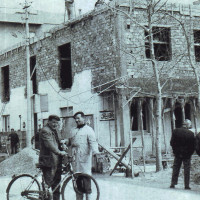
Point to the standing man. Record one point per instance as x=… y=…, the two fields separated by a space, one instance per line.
x=50 y=158
x=183 y=145
x=83 y=144
x=14 y=141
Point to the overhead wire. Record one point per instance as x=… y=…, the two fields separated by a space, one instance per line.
x=54 y=88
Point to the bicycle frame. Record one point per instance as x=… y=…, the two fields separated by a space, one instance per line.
x=28 y=192
x=69 y=173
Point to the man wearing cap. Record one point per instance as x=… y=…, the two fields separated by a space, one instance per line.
x=50 y=158
x=83 y=144
x=183 y=145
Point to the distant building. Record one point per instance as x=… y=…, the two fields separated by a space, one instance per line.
x=12 y=25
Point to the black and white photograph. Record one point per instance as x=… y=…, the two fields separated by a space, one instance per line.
x=100 y=100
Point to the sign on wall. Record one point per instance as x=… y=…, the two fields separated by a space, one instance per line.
x=107 y=115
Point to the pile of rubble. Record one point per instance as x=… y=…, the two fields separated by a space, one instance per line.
x=22 y=162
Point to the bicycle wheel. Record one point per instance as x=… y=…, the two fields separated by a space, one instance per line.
x=71 y=188
x=21 y=184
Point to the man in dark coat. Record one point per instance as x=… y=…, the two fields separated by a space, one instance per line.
x=14 y=140
x=50 y=158
x=183 y=145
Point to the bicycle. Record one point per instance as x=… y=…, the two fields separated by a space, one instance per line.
x=26 y=186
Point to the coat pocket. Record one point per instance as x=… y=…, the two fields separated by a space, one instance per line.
x=84 y=158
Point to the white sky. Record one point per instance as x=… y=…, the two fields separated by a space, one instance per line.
x=58 y=5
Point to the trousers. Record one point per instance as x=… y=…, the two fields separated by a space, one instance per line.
x=52 y=177
x=83 y=185
x=13 y=148
x=176 y=169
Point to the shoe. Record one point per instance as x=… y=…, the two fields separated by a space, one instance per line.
x=172 y=186
x=187 y=188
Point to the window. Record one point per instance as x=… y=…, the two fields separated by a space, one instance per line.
x=5 y=84
x=6 y=123
x=187 y=111
x=66 y=111
x=197 y=45
x=44 y=103
x=33 y=74
x=65 y=66
x=161 y=43
x=135 y=115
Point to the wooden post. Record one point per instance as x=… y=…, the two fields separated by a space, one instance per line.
x=172 y=113
x=152 y=125
x=163 y=122
x=28 y=81
x=195 y=115
x=131 y=154
x=183 y=109
x=141 y=129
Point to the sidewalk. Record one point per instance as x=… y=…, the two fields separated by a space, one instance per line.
x=112 y=188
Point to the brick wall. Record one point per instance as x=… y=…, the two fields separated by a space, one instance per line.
x=92 y=47
x=133 y=48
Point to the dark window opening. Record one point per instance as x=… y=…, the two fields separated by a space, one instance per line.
x=178 y=115
x=128 y=26
x=5 y=84
x=134 y=116
x=197 y=53
x=197 y=45
x=65 y=66
x=33 y=74
x=161 y=43
x=187 y=111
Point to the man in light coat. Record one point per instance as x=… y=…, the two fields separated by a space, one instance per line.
x=83 y=144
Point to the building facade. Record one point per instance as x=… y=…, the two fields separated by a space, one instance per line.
x=100 y=64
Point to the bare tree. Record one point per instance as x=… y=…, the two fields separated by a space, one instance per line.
x=156 y=11
x=152 y=8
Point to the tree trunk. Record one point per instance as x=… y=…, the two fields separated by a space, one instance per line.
x=158 y=132
x=158 y=93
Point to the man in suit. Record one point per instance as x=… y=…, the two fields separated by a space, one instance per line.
x=183 y=145
x=14 y=141
x=83 y=144
x=50 y=158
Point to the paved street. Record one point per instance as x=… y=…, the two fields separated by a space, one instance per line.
x=123 y=190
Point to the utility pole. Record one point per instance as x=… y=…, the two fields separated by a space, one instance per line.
x=28 y=83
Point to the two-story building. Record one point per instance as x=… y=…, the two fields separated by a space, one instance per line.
x=99 y=63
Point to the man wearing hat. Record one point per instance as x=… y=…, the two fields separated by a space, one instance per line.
x=183 y=145
x=50 y=158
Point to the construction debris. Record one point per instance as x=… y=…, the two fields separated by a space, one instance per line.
x=22 y=162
